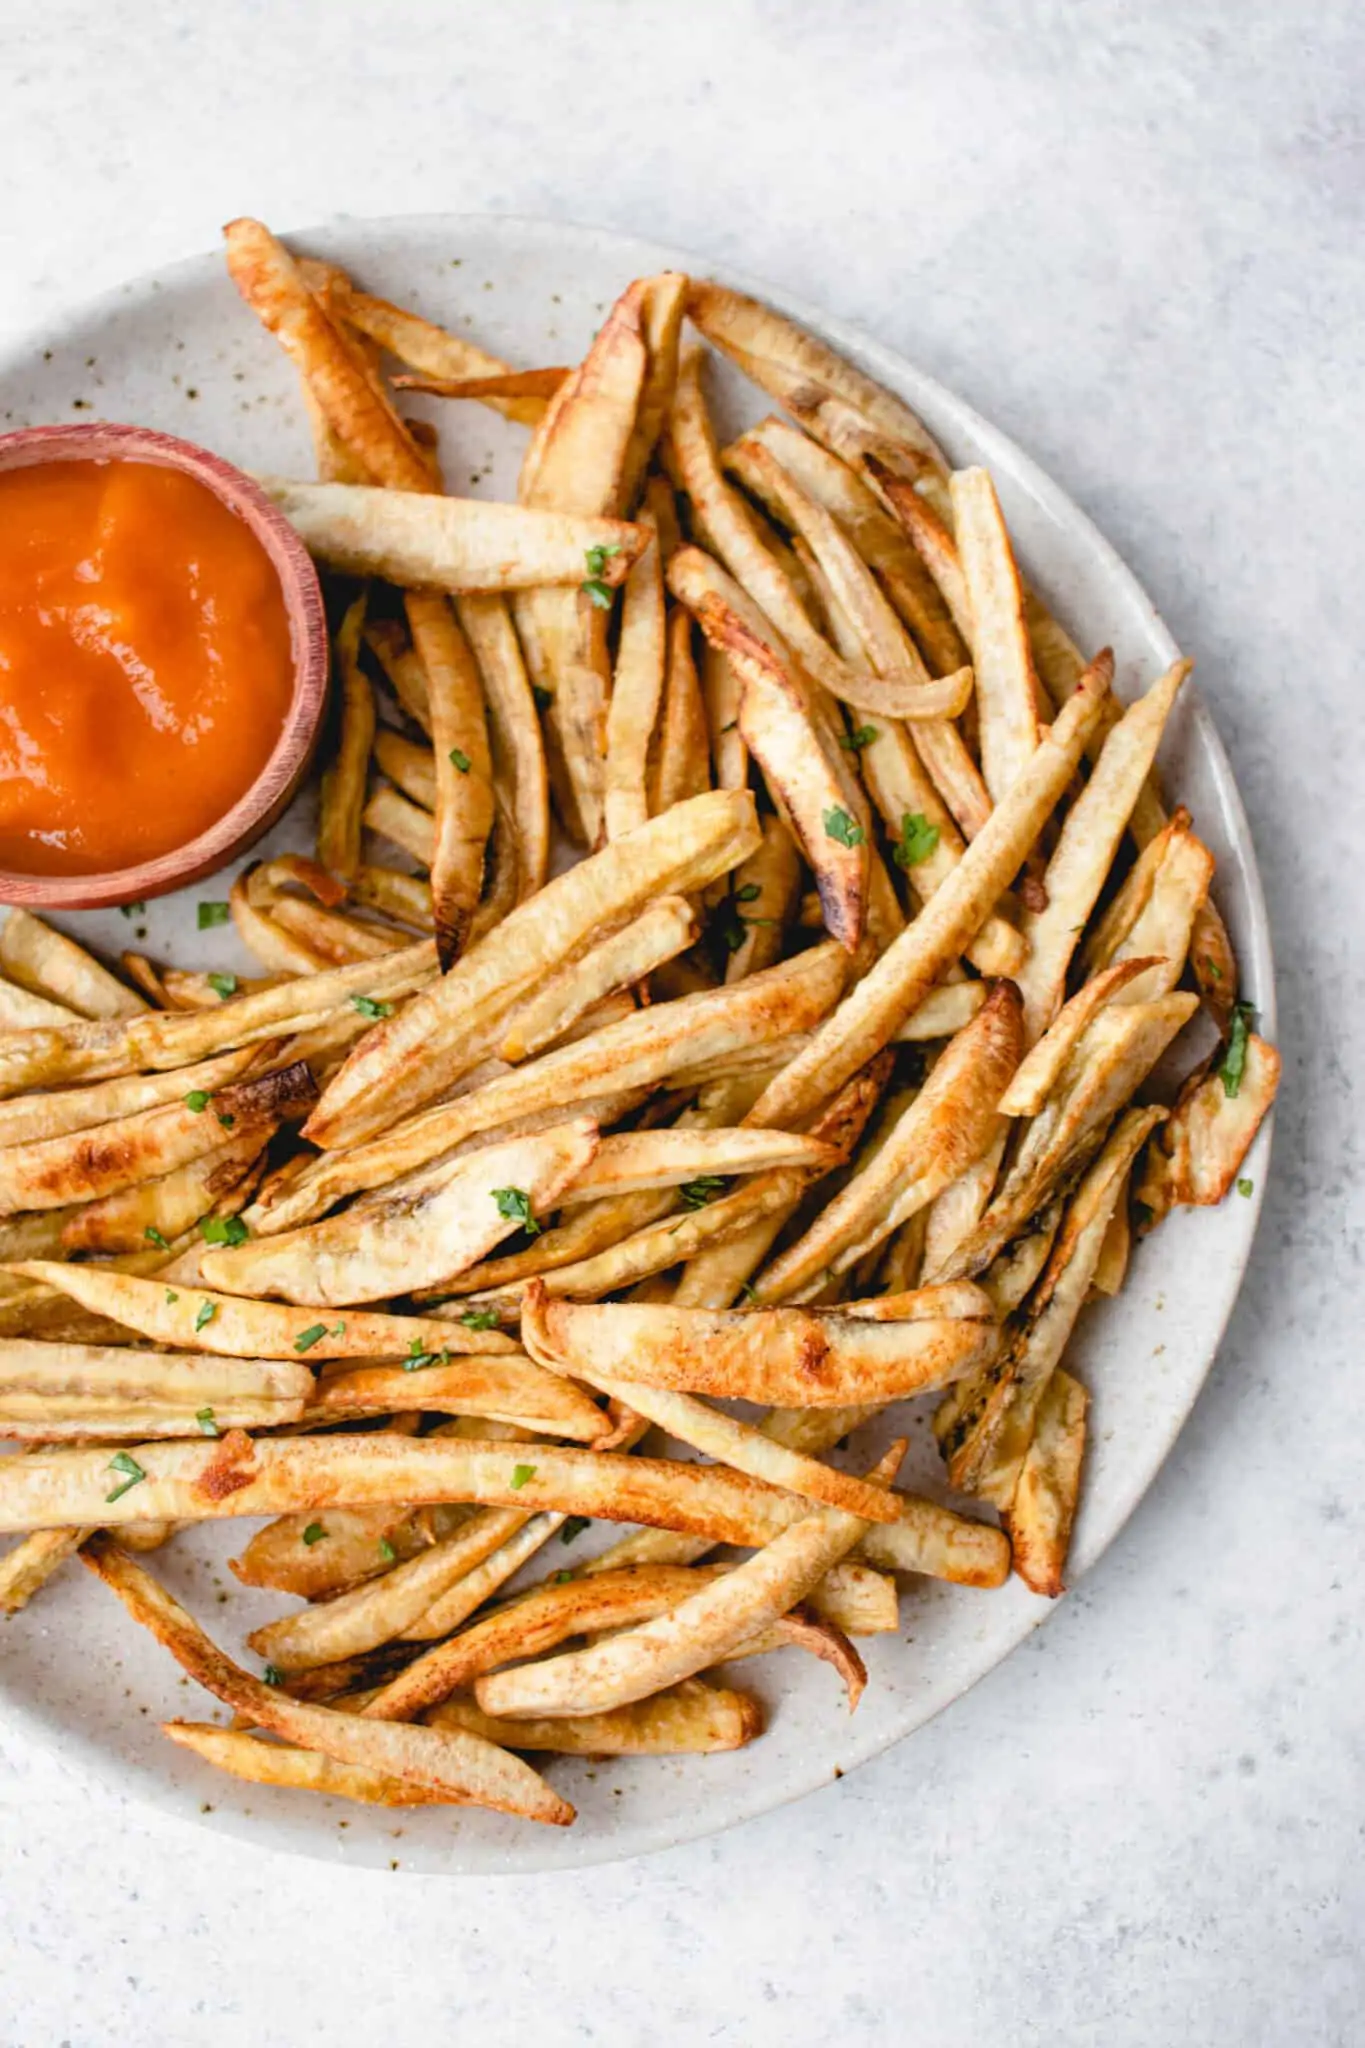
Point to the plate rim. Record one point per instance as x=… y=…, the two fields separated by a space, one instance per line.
x=79 y=1753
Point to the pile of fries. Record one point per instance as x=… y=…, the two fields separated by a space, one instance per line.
x=820 y=1081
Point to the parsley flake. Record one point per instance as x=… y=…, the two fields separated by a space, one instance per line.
x=153 y=1236
x=223 y=1230
x=750 y=893
x=748 y=1293
x=861 y=736
x=520 y=1475
x=598 y=593
x=207 y=1425
x=1235 y=1058
x=127 y=1464
x=573 y=1528
x=386 y=1550
x=197 y=1100
x=314 y=1533
x=207 y=1311
x=223 y=985
x=697 y=1193
x=306 y=1339
x=272 y=1675
x=598 y=557
x=1244 y=1187
x=841 y=826
x=171 y=1296
x=459 y=759
x=917 y=841
x=563 y=1578
x=480 y=1319
x=418 y=1360
x=225 y=1118
x=211 y=914
x=515 y=1205
x=373 y=1012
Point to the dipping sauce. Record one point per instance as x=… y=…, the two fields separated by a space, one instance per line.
x=146 y=665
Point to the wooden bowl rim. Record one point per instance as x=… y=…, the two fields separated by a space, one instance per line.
x=261 y=804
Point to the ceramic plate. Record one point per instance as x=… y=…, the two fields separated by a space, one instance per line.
x=178 y=351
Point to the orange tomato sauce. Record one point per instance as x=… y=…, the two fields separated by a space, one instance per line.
x=146 y=666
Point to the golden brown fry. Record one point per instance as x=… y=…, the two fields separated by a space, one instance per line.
x=514 y=731
x=406 y=898
x=941 y=1133
x=702 y=1629
x=21 y=1010
x=455 y=1766
x=244 y=1755
x=28 y=1118
x=26 y=1569
x=414 y=1237
x=355 y=1546
x=411 y=768
x=900 y=980
x=429 y=349
x=464 y=770
x=1044 y=1505
x=681 y=762
x=509 y=1389
x=1199 y=1153
x=501 y=384
x=1085 y=850
x=1038 y=1073
x=634 y=1160
x=1006 y=685
x=76 y=1390
x=342 y=795
x=405 y=823
x=690 y=1719
x=413 y=1057
x=49 y=964
x=661 y=931
x=637 y=690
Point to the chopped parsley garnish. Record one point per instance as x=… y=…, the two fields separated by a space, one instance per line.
x=697 y=1193
x=272 y=1675
x=747 y=1293
x=418 y=1360
x=917 y=841
x=153 y=1236
x=1210 y=966
x=598 y=592
x=480 y=1319
x=520 y=1475
x=314 y=1533
x=207 y=1425
x=595 y=587
x=211 y=914
x=306 y=1339
x=459 y=759
x=386 y=1550
x=839 y=825
x=223 y=985
x=372 y=1011
x=1235 y=1058
x=515 y=1205
x=750 y=893
x=223 y=1230
x=563 y=1578
x=573 y=1528
x=1244 y=1187
x=598 y=557
x=171 y=1296
x=127 y=1464
x=197 y=1100
x=225 y=1118
x=861 y=736
x=207 y=1311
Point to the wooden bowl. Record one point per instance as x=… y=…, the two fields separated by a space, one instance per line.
x=256 y=810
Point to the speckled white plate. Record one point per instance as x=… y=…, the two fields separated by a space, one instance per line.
x=178 y=351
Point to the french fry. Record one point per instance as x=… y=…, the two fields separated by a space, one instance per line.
x=456 y=1766
x=1111 y=1268
x=985 y=1445
x=278 y=950
x=49 y=964
x=681 y=763
x=691 y=1719
x=1040 y=1069
x=395 y=818
x=243 y=1755
x=464 y=772
x=405 y=898
x=959 y=1207
x=155 y=1211
x=584 y=1231
x=1085 y=850
x=380 y=1610
x=751 y=923
x=1006 y=685
x=501 y=384
x=514 y=731
x=904 y=975
x=342 y=794
x=429 y=349
x=944 y=1131
x=803 y=1357
x=26 y=1569
x=30 y=1119
x=510 y=1389
x=635 y=1160
x=529 y=1534
x=416 y=1055
x=354 y=1546
x=1044 y=1506
x=416 y=1237
x=84 y=1166
x=878 y=539
x=1199 y=1153
x=640 y=1049
x=21 y=1010
x=701 y=1630
x=54 y=1391
x=411 y=768
x=661 y=931
x=944 y=1011
x=899 y=685
x=811 y=381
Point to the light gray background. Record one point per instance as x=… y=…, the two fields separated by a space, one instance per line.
x=1132 y=236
